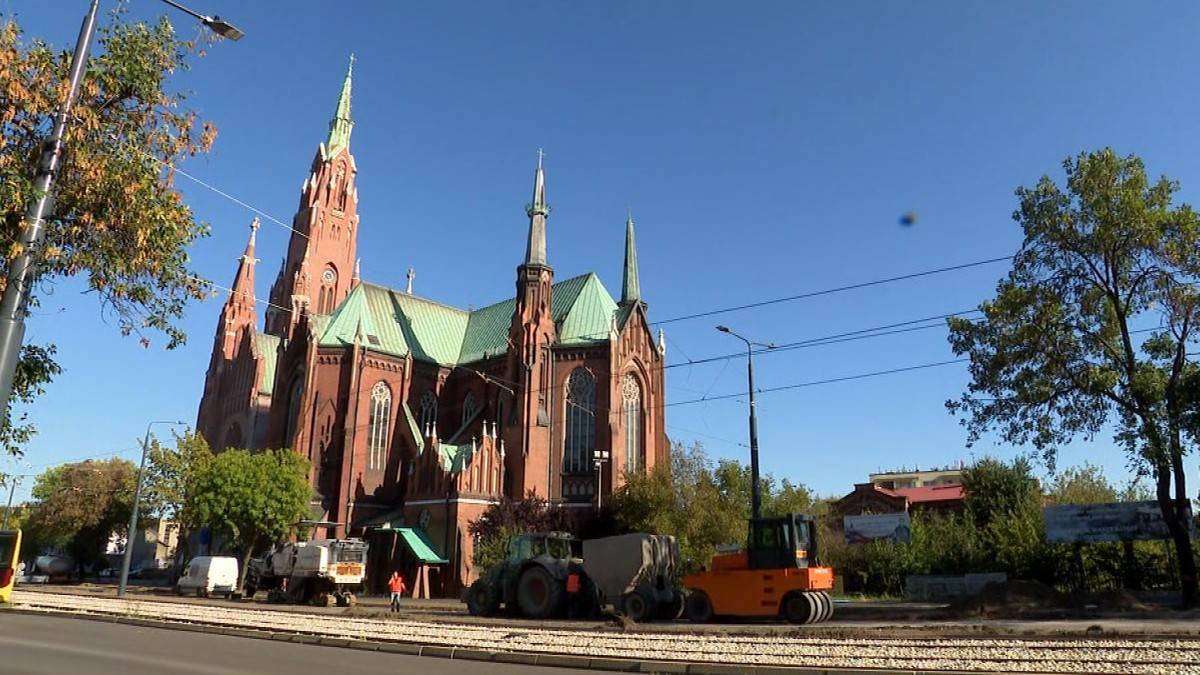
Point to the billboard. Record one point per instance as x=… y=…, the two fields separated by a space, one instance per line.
x=1092 y=523
x=893 y=526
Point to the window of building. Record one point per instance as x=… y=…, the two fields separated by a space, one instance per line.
x=580 y=433
x=293 y=410
x=428 y=412
x=631 y=412
x=377 y=425
x=469 y=407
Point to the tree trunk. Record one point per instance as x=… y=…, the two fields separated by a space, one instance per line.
x=246 y=557
x=1177 y=527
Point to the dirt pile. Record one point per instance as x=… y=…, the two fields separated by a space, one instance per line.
x=1031 y=599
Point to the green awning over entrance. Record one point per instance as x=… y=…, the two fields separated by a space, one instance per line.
x=418 y=543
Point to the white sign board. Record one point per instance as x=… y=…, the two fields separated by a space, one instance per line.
x=893 y=526
x=1091 y=523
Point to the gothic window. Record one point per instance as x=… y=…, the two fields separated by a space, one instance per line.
x=377 y=425
x=293 y=409
x=428 y=412
x=580 y=438
x=631 y=413
x=469 y=407
x=339 y=184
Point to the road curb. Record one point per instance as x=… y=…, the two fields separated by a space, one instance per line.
x=471 y=654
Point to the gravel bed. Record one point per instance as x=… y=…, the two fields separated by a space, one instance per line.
x=1174 y=657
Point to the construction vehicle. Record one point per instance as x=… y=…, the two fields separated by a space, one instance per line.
x=779 y=574
x=552 y=574
x=323 y=572
x=10 y=554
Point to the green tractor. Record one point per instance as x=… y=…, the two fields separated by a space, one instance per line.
x=534 y=580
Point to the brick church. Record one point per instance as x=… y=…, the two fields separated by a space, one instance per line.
x=415 y=415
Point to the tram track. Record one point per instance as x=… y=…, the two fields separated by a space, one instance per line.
x=985 y=654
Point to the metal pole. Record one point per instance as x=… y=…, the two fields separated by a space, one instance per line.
x=21 y=270
x=8 y=509
x=755 y=497
x=133 y=517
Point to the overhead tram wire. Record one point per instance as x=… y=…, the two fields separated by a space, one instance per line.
x=219 y=191
x=836 y=289
x=861 y=334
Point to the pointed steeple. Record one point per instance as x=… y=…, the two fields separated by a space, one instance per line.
x=538 y=210
x=341 y=124
x=631 y=289
x=243 y=283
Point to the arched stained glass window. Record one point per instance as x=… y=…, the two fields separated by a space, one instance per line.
x=631 y=412
x=428 y=412
x=469 y=407
x=378 y=424
x=293 y=409
x=580 y=433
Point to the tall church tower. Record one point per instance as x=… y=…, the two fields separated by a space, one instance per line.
x=320 y=266
x=531 y=334
x=229 y=384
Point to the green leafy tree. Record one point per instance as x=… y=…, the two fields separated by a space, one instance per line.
x=252 y=499
x=117 y=220
x=702 y=503
x=77 y=507
x=1081 y=485
x=994 y=489
x=172 y=475
x=1092 y=326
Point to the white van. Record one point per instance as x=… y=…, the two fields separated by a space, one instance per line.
x=209 y=574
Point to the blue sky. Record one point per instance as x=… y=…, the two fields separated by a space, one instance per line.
x=765 y=151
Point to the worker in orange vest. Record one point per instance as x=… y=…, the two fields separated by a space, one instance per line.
x=397 y=587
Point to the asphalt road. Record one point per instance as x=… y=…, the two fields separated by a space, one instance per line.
x=41 y=645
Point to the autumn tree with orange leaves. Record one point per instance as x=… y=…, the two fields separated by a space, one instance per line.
x=117 y=219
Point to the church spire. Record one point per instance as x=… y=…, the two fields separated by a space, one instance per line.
x=538 y=210
x=341 y=124
x=243 y=283
x=631 y=289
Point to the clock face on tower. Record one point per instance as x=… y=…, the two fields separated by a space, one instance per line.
x=328 y=276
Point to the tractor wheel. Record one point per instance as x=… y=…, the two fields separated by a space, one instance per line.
x=539 y=594
x=798 y=608
x=671 y=610
x=698 y=607
x=636 y=606
x=828 y=602
x=481 y=599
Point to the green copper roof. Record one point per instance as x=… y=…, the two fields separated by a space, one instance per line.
x=268 y=350
x=455 y=458
x=418 y=438
x=583 y=310
x=341 y=124
x=399 y=324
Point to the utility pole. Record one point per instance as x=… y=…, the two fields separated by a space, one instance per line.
x=133 y=513
x=8 y=509
x=22 y=269
x=755 y=488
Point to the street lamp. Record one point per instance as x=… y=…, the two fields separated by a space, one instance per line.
x=21 y=268
x=755 y=497
x=599 y=459
x=218 y=26
x=133 y=514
